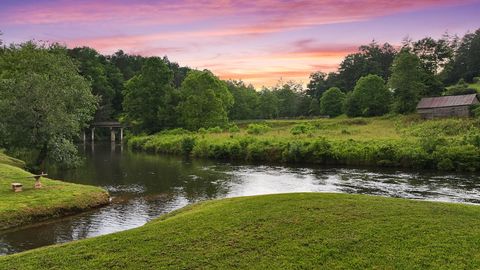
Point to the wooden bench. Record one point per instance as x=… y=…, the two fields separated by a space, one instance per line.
x=17 y=187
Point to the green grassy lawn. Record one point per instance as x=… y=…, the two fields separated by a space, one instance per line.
x=56 y=198
x=4 y=159
x=286 y=231
x=395 y=141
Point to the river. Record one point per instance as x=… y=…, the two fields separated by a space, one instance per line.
x=144 y=186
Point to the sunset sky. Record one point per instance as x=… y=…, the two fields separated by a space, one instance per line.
x=257 y=41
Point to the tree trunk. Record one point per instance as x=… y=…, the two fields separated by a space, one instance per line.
x=42 y=155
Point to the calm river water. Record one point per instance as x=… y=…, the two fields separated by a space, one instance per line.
x=144 y=186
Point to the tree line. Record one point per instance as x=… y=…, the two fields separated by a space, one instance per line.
x=49 y=93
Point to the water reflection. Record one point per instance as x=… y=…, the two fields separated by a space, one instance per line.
x=144 y=186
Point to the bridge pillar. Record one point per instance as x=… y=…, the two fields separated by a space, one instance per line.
x=93 y=134
x=112 y=135
x=121 y=135
x=84 y=136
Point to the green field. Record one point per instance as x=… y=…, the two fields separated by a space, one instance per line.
x=55 y=199
x=287 y=231
x=396 y=141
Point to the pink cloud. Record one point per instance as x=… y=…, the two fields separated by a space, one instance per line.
x=275 y=14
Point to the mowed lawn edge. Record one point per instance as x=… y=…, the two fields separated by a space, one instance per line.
x=283 y=231
x=54 y=199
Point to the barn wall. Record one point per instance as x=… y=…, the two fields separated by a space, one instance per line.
x=458 y=111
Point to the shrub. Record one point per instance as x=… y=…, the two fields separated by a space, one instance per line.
x=257 y=129
x=463 y=157
x=431 y=142
x=188 y=143
x=233 y=129
x=320 y=151
x=216 y=129
x=445 y=165
x=302 y=129
x=472 y=137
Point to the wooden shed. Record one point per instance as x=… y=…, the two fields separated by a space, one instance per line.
x=446 y=106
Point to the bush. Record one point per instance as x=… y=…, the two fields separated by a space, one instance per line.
x=257 y=129
x=445 y=165
x=302 y=129
x=216 y=129
x=233 y=129
x=188 y=143
x=461 y=88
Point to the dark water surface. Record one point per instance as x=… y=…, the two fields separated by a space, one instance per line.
x=144 y=186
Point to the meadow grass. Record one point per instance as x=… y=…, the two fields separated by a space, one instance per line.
x=394 y=141
x=55 y=199
x=284 y=231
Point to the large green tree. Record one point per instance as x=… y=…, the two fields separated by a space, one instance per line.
x=466 y=63
x=106 y=81
x=317 y=85
x=369 y=98
x=149 y=97
x=246 y=100
x=289 y=97
x=406 y=82
x=44 y=102
x=268 y=104
x=332 y=102
x=206 y=101
x=371 y=59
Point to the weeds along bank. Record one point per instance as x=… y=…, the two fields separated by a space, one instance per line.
x=447 y=144
x=54 y=199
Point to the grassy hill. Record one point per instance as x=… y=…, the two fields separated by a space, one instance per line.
x=56 y=198
x=286 y=231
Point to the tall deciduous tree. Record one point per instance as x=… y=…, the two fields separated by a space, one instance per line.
x=105 y=78
x=44 y=102
x=149 y=98
x=317 y=85
x=246 y=100
x=369 y=98
x=406 y=82
x=332 y=102
x=206 y=101
x=371 y=59
x=466 y=63
x=268 y=104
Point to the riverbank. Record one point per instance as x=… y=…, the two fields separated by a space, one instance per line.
x=285 y=231
x=400 y=141
x=55 y=199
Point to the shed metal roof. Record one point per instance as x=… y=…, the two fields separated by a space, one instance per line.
x=447 y=101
